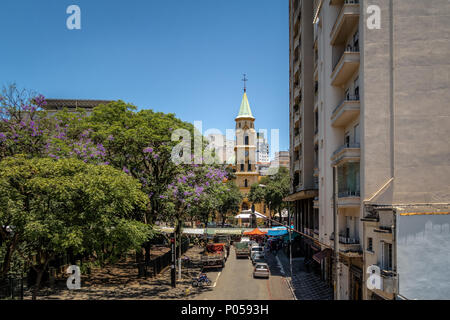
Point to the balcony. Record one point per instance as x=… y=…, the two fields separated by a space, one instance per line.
x=347 y=152
x=296 y=116
x=349 y=199
x=348 y=245
x=298 y=165
x=296 y=93
x=346 y=22
x=298 y=139
x=389 y=281
x=297 y=16
x=346 y=111
x=297 y=41
x=296 y=65
x=345 y=67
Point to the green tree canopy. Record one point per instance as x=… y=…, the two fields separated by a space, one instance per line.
x=55 y=205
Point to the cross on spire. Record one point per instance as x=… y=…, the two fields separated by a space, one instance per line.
x=245 y=82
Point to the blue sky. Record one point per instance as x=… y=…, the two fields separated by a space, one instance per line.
x=181 y=56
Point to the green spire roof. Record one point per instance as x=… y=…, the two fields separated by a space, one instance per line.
x=245 y=111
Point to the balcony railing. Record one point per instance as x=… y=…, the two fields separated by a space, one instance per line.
x=347 y=146
x=346 y=240
x=351 y=49
x=348 y=98
x=349 y=193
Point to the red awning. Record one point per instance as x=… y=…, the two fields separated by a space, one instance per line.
x=255 y=232
x=321 y=255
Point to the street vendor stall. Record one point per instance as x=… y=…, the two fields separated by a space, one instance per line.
x=256 y=234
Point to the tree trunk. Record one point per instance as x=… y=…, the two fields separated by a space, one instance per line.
x=40 y=273
x=8 y=257
x=140 y=262
x=180 y=235
x=148 y=246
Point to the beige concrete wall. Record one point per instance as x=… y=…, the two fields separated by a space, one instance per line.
x=414 y=146
x=422 y=95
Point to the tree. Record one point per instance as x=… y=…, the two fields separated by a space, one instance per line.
x=56 y=205
x=230 y=200
x=257 y=193
x=194 y=190
x=24 y=129
x=277 y=188
x=139 y=143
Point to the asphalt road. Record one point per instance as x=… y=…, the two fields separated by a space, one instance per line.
x=235 y=282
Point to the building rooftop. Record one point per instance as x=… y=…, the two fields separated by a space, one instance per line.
x=59 y=104
x=245 y=111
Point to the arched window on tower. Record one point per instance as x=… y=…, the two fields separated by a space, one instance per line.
x=246 y=139
x=246 y=183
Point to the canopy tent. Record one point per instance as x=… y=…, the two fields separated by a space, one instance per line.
x=278 y=231
x=247 y=214
x=255 y=232
x=284 y=214
x=194 y=231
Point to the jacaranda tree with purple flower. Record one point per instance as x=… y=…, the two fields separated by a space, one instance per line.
x=194 y=191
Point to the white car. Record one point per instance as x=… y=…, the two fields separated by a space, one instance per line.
x=261 y=270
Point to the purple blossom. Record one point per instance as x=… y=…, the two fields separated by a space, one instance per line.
x=148 y=150
x=125 y=170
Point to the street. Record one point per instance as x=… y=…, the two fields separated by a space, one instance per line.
x=236 y=282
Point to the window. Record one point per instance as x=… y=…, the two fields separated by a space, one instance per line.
x=246 y=183
x=356 y=40
x=370 y=244
x=246 y=140
x=386 y=256
x=356 y=134
x=356 y=85
x=347 y=139
x=249 y=166
x=242 y=167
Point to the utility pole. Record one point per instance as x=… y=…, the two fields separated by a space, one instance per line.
x=290 y=239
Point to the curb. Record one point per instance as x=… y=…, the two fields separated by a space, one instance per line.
x=288 y=279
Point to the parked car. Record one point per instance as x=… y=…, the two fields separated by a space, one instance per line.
x=261 y=270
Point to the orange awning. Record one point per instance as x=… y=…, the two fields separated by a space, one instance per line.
x=255 y=232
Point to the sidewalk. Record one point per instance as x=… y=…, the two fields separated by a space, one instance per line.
x=306 y=286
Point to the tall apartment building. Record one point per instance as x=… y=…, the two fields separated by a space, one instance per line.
x=377 y=102
x=224 y=147
x=282 y=159
x=303 y=135
x=262 y=148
